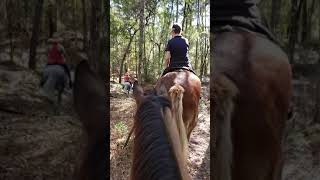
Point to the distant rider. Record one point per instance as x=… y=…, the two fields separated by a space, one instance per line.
x=56 y=55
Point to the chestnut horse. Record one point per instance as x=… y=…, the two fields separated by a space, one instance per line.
x=187 y=84
x=90 y=104
x=250 y=92
x=157 y=152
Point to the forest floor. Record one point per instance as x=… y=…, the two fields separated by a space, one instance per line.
x=122 y=112
x=35 y=143
x=302 y=142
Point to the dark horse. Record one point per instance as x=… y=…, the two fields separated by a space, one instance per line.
x=90 y=104
x=186 y=86
x=54 y=80
x=157 y=152
x=250 y=92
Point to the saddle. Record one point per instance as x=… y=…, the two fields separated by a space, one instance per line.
x=177 y=69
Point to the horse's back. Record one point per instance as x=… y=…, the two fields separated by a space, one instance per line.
x=189 y=81
x=54 y=77
x=261 y=72
x=191 y=95
x=257 y=66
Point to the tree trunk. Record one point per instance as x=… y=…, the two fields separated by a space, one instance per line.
x=125 y=55
x=304 y=21
x=177 y=10
x=94 y=34
x=26 y=8
x=171 y=11
x=296 y=7
x=136 y=57
x=159 y=58
x=309 y=20
x=145 y=60
x=197 y=54
x=275 y=14
x=184 y=17
x=104 y=50
x=316 y=118
x=84 y=25
x=35 y=34
x=74 y=14
x=318 y=22
x=52 y=12
x=10 y=30
x=141 y=37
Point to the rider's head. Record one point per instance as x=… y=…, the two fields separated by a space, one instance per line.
x=55 y=39
x=176 y=29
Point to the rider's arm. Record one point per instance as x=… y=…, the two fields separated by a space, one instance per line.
x=62 y=50
x=167 y=57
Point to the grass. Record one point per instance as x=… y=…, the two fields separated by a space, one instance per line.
x=121 y=127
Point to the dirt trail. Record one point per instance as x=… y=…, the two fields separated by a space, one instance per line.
x=34 y=143
x=122 y=112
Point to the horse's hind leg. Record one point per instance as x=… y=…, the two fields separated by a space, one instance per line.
x=192 y=125
x=224 y=92
x=58 y=102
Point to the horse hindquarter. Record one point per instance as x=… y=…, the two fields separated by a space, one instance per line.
x=262 y=75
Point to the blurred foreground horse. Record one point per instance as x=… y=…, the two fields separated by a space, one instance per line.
x=90 y=104
x=250 y=92
x=157 y=152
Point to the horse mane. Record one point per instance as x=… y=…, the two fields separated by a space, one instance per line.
x=153 y=153
x=89 y=103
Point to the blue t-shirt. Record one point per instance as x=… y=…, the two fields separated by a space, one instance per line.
x=178 y=47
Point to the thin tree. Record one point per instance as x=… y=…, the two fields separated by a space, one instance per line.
x=84 y=24
x=35 y=34
x=52 y=19
x=141 y=38
x=94 y=34
x=126 y=52
x=9 y=7
x=296 y=7
x=177 y=10
x=275 y=14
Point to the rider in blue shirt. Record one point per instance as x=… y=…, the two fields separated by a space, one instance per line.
x=176 y=52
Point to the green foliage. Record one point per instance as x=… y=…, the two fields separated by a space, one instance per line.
x=121 y=127
x=159 y=16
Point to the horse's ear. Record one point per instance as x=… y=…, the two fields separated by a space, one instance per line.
x=137 y=92
x=90 y=103
x=89 y=94
x=162 y=91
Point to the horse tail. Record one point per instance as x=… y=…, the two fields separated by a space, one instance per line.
x=176 y=94
x=224 y=93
